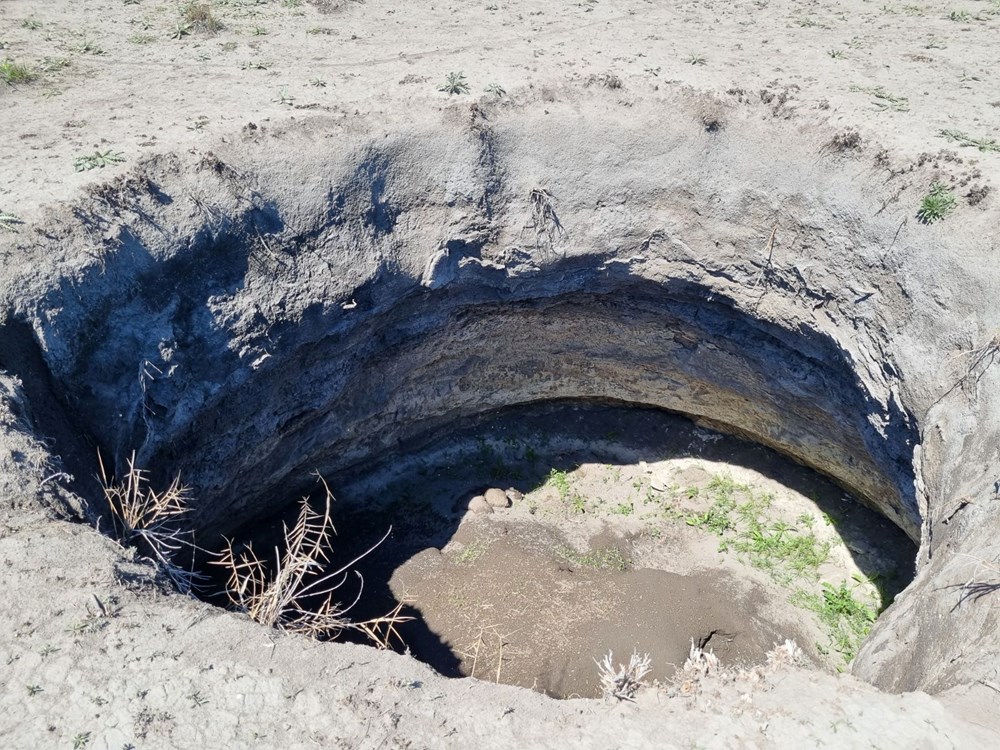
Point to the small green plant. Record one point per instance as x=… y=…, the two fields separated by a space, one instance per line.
x=937 y=204
x=34 y=690
x=623 y=509
x=983 y=144
x=180 y=30
x=258 y=31
x=81 y=740
x=960 y=16
x=836 y=54
x=318 y=83
x=255 y=65
x=197 y=699
x=9 y=221
x=496 y=90
x=283 y=97
x=559 y=480
x=31 y=23
x=97 y=160
x=454 y=83
x=696 y=60
x=12 y=72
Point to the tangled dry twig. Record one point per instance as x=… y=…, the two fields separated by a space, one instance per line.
x=299 y=595
x=624 y=682
x=152 y=521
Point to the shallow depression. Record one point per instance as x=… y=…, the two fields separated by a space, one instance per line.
x=628 y=529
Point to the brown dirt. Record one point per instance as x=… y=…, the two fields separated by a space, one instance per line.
x=599 y=553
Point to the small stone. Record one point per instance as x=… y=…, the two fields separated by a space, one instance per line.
x=497 y=498
x=479 y=505
x=515 y=496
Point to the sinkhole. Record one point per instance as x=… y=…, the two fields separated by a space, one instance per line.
x=579 y=429
x=533 y=483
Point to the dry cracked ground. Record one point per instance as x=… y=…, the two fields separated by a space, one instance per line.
x=625 y=325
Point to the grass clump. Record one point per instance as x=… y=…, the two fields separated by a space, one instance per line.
x=937 y=204
x=199 y=17
x=14 y=72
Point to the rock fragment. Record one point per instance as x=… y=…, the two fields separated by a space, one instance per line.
x=479 y=505
x=497 y=498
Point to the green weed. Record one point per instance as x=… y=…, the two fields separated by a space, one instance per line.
x=883 y=99
x=9 y=221
x=937 y=204
x=97 y=160
x=848 y=620
x=559 y=481
x=983 y=144
x=454 y=83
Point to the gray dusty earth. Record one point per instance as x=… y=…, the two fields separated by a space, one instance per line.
x=247 y=241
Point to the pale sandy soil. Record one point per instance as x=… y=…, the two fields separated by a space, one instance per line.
x=94 y=653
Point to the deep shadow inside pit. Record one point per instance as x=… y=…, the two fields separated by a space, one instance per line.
x=599 y=554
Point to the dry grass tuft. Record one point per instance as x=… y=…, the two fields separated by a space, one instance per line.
x=151 y=521
x=299 y=595
x=199 y=17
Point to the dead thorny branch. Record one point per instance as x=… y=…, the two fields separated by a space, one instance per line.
x=296 y=592
x=151 y=520
x=624 y=682
x=975 y=588
x=544 y=219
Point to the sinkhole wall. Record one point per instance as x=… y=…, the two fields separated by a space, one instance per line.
x=314 y=295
